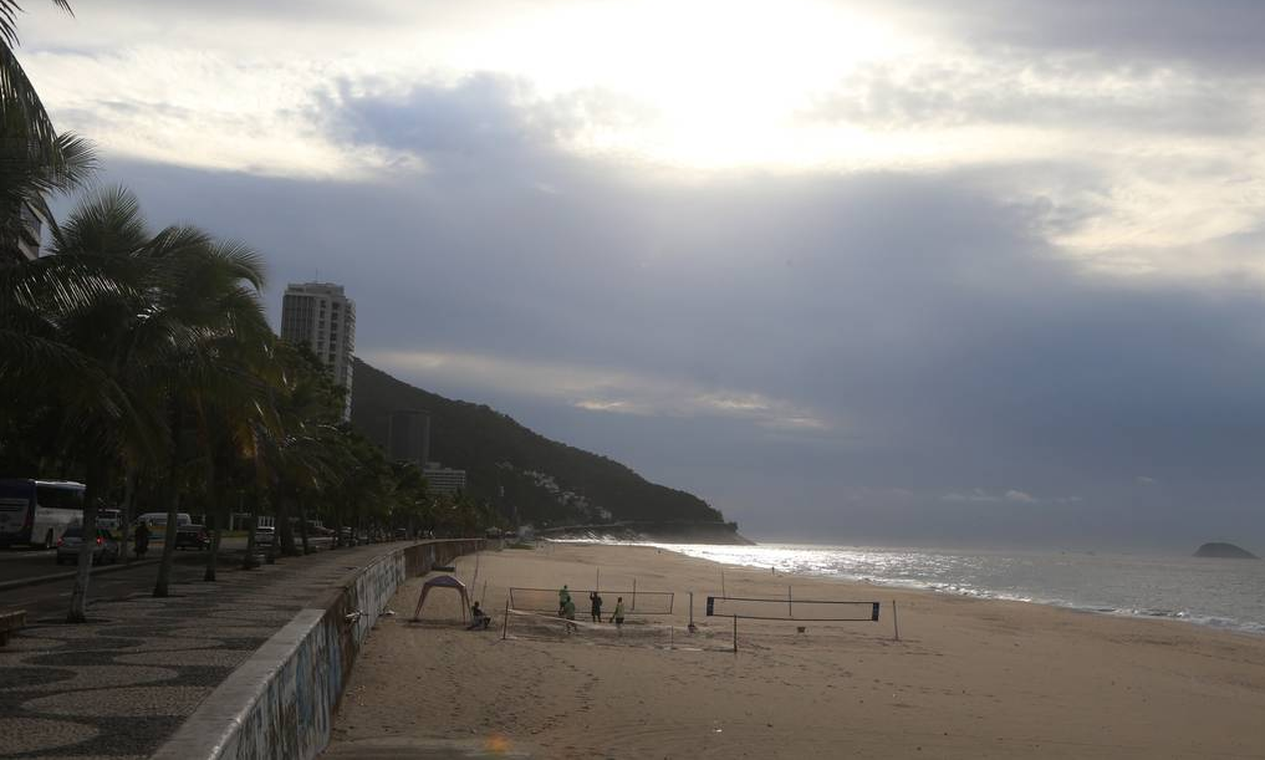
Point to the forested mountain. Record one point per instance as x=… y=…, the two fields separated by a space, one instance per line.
x=546 y=481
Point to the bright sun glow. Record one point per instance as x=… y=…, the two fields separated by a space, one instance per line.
x=714 y=84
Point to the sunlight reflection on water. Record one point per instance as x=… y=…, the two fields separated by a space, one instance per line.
x=1219 y=593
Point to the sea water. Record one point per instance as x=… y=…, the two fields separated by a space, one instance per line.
x=1221 y=593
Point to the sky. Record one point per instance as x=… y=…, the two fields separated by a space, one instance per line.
x=910 y=272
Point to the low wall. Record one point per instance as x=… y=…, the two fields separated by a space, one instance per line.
x=280 y=702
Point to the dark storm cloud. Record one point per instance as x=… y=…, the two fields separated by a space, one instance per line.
x=1222 y=34
x=479 y=118
x=923 y=317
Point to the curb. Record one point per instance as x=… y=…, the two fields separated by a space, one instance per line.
x=53 y=577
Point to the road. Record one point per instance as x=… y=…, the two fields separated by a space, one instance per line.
x=51 y=599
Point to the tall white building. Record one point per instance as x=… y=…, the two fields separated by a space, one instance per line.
x=320 y=315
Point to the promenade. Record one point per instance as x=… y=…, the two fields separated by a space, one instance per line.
x=120 y=685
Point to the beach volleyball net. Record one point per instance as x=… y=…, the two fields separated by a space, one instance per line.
x=636 y=603
x=643 y=632
x=787 y=608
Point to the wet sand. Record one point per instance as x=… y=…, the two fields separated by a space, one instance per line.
x=968 y=678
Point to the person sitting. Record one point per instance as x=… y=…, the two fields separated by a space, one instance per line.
x=479 y=620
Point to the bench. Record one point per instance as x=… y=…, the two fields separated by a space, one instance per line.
x=10 y=621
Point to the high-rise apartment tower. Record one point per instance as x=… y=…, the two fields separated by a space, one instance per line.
x=321 y=316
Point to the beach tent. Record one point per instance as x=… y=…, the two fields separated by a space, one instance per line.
x=443 y=581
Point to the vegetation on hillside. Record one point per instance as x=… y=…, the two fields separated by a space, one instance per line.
x=513 y=468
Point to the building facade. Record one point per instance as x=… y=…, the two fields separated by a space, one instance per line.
x=440 y=479
x=322 y=317
x=409 y=437
x=30 y=234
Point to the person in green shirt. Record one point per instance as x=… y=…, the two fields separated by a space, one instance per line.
x=564 y=596
x=568 y=612
x=618 y=616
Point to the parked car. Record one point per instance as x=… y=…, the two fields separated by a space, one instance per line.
x=265 y=535
x=106 y=550
x=192 y=535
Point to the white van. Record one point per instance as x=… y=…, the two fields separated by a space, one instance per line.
x=159 y=519
x=109 y=519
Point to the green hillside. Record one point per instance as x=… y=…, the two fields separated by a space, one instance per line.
x=515 y=468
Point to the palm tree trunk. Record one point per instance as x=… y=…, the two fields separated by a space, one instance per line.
x=98 y=478
x=173 y=504
x=212 y=556
x=215 y=517
x=307 y=548
x=125 y=514
x=169 y=548
x=249 y=563
x=285 y=532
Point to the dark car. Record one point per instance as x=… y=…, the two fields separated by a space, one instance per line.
x=192 y=536
x=106 y=550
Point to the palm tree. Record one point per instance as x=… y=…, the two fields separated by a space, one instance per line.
x=129 y=334
x=35 y=160
x=299 y=451
x=16 y=91
x=220 y=337
x=67 y=335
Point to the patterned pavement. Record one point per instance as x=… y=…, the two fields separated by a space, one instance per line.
x=118 y=686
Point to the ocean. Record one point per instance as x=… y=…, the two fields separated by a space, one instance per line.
x=1221 y=593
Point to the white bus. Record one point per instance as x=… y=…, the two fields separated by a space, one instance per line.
x=36 y=512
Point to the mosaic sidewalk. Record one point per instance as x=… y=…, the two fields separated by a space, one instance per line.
x=118 y=686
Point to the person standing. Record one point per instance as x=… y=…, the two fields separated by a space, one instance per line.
x=568 y=613
x=564 y=596
x=595 y=606
x=142 y=539
x=618 y=616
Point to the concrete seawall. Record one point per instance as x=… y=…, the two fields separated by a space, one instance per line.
x=280 y=702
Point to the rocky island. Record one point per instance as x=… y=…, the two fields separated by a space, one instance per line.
x=1224 y=551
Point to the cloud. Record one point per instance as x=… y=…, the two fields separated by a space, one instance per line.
x=597 y=389
x=1013 y=496
x=1030 y=275
x=1065 y=96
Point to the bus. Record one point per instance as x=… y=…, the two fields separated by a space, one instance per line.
x=35 y=512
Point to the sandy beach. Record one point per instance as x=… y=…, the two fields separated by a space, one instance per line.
x=967 y=679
